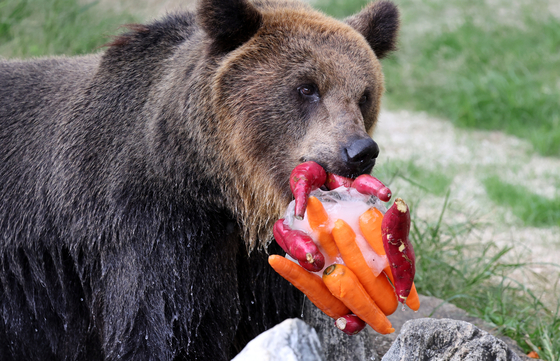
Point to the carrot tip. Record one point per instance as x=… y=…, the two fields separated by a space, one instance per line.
x=330 y=269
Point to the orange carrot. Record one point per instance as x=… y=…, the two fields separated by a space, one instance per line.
x=412 y=301
x=316 y=213
x=345 y=286
x=533 y=354
x=370 y=225
x=310 y=284
x=379 y=288
x=318 y=221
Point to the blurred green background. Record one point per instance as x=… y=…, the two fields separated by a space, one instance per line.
x=477 y=64
x=481 y=64
x=491 y=65
x=31 y=28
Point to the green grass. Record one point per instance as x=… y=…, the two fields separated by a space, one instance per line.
x=497 y=79
x=482 y=277
x=340 y=8
x=476 y=277
x=31 y=28
x=430 y=181
x=462 y=61
x=530 y=208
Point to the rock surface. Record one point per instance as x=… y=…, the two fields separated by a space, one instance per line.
x=447 y=340
x=438 y=331
x=339 y=346
x=369 y=345
x=438 y=309
x=292 y=340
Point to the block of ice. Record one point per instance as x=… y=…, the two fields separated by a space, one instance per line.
x=346 y=204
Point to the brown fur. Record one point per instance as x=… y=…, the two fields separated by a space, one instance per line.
x=133 y=183
x=341 y=62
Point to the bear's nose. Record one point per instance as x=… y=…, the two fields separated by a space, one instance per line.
x=361 y=153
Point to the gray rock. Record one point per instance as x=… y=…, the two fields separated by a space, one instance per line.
x=292 y=340
x=369 y=345
x=338 y=346
x=436 y=308
x=447 y=340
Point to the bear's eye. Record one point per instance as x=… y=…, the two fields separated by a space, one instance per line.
x=309 y=92
x=363 y=99
x=306 y=90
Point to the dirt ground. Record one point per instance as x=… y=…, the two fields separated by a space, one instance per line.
x=468 y=156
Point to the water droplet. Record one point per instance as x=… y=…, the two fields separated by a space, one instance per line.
x=146 y=337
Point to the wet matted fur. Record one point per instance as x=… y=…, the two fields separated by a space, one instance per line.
x=138 y=187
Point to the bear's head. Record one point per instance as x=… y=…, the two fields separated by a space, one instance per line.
x=293 y=85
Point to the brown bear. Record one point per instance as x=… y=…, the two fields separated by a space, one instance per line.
x=138 y=187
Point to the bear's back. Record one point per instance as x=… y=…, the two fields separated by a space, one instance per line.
x=42 y=82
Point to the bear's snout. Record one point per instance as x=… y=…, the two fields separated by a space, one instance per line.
x=359 y=155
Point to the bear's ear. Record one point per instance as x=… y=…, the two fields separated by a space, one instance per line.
x=229 y=23
x=379 y=24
